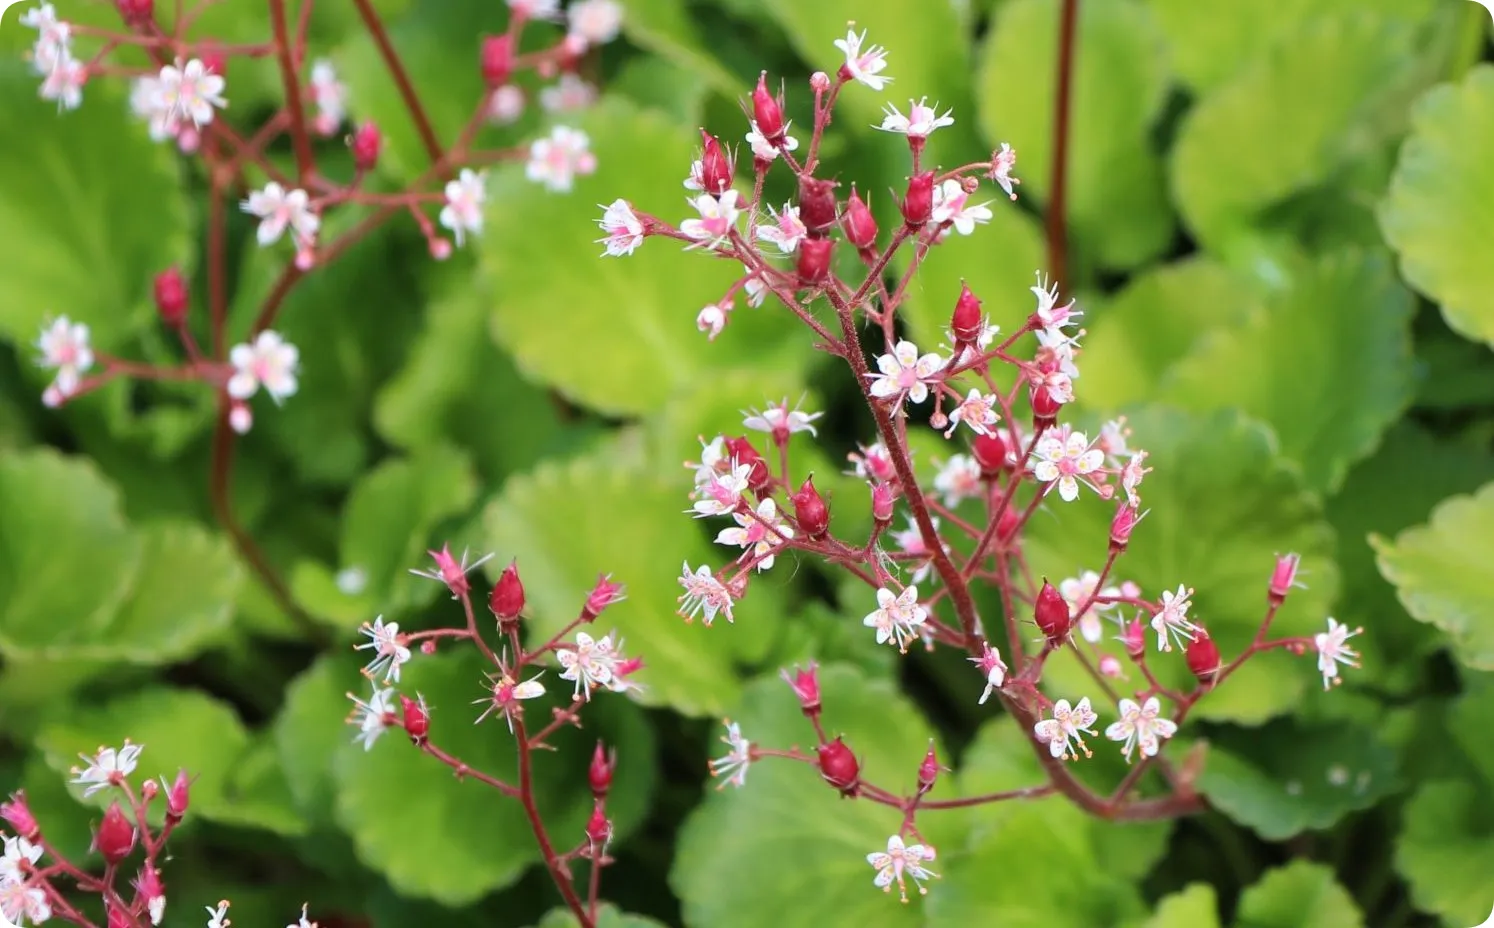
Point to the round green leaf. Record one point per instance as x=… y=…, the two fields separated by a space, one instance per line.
x=435 y=836
x=258 y=794
x=1301 y=894
x=1327 y=364
x=312 y=727
x=1193 y=907
x=726 y=871
x=1446 y=850
x=1222 y=506
x=1440 y=572
x=1117 y=198
x=618 y=334
x=1440 y=205
x=664 y=28
x=608 y=916
x=569 y=522
x=90 y=208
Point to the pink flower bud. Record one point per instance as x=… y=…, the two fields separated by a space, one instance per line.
x=814 y=261
x=17 y=814
x=806 y=686
x=882 y=500
x=149 y=790
x=1202 y=656
x=1007 y=525
x=240 y=418
x=1121 y=526
x=966 y=322
x=859 y=224
x=810 y=510
x=819 y=82
x=428 y=646
x=839 y=767
x=767 y=110
x=711 y=321
x=599 y=774
x=415 y=718
x=991 y=453
x=741 y=451
x=148 y=883
x=115 y=915
x=440 y=248
x=135 y=12
x=213 y=60
x=1283 y=578
x=817 y=204
x=1110 y=666
x=604 y=594
x=507 y=599
x=1051 y=611
x=715 y=166
x=928 y=771
x=918 y=204
x=497 y=59
x=1134 y=638
x=115 y=837
x=598 y=828
x=178 y=795
x=171 y=297
x=366 y=142
x=1045 y=406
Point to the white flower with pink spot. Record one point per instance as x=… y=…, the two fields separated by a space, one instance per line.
x=897 y=617
x=594 y=22
x=905 y=374
x=1069 y=461
x=978 y=412
x=920 y=122
x=866 y=65
x=330 y=96
x=992 y=667
x=465 y=198
x=721 y=494
x=624 y=230
x=952 y=205
x=1333 y=650
x=762 y=149
x=570 y=93
x=1171 y=622
x=556 y=161
x=268 y=362
x=64 y=82
x=1141 y=727
x=959 y=479
x=763 y=530
x=1048 y=311
x=1067 y=728
x=704 y=596
x=64 y=348
x=899 y=861
x=191 y=91
x=1004 y=162
x=786 y=231
x=279 y=209
x=718 y=217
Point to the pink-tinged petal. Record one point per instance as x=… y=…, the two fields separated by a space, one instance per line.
x=1090 y=460
x=1068 y=489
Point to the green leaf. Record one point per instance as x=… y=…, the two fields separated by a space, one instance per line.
x=568 y=522
x=1290 y=777
x=664 y=28
x=1361 y=67
x=1193 y=907
x=258 y=794
x=617 y=334
x=1438 y=208
x=608 y=916
x=1446 y=850
x=1440 y=572
x=1117 y=197
x=1301 y=894
x=1327 y=364
x=311 y=729
x=1222 y=506
x=453 y=841
x=739 y=881
x=90 y=209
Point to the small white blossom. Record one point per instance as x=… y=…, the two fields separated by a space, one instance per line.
x=270 y=362
x=977 y=412
x=191 y=91
x=1048 y=311
x=1131 y=476
x=738 y=757
x=1067 y=461
x=1171 y=621
x=330 y=96
x=536 y=9
x=959 y=479
x=20 y=856
x=569 y=94
x=64 y=348
x=721 y=493
x=1141 y=726
x=218 y=917
x=900 y=861
x=864 y=66
x=21 y=900
x=952 y=205
x=465 y=198
x=1056 y=351
x=718 y=217
x=624 y=230
x=711 y=320
x=992 y=667
x=303 y=921
x=897 y=617
x=910 y=541
x=704 y=595
x=712 y=458
x=505 y=694
x=278 y=208
x=754 y=287
x=107 y=768
x=507 y=105
x=149 y=103
x=594 y=22
x=590 y=664
x=920 y=122
x=763 y=533
x=762 y=149
x=905 y=374
x=1333 y=650
x=557 y=160
x=1005 y=161
x=1076 y=591
x=53 y=43
x=374 y=717
x=786 y=231
x=781 y=422
x=64 y=82
x=389 y=647
x=1067 y=725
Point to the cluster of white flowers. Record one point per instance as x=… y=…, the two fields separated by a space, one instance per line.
x=20 y=898
x=331 y=98
x=218 y=917
x=178 y=101
x=52 y=58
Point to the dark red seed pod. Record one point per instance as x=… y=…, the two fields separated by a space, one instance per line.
x=839 y=767
x=918 y=205
x=810 y=510
x=1051 y=611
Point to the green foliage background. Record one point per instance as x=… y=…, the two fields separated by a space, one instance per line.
x=1281 y=234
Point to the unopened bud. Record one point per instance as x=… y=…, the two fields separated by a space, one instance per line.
x=1134 y=638
x=991 y=453
x=859 y=224
x=214 y=61
x=966 y=322
x=1045 y=406
x=115 y=837
x=171 y=297
x=1202 y=656
x=1110 y=666
x=767 y=110
x=440 y=248
x=1283 y=578
x=17 y=814
x=1007 y=524
x=918 y=204
x=1051 y=611
x=806 y=686
x=507 y=599
x=599 y=774
x=810 y=510
x=149 y=790
x=814 y=261
x=715 y=166
x=1121 y=527
x=497 y=60
x=741 y=451
x=928 y=771
x=240 y=418
x=816 y=204
x=415 y=718
x=178 y=795
x=135 y=12
x=882 y=500
x=604 y=594
x=598 y=828
x=839 y=767
x=819 y=82
x=115 y=915
x=366 y=143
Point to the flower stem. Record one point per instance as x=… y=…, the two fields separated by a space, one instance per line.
x=1058 y=200
x=401 y=79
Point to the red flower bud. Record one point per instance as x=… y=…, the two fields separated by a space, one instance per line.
x=991 y=453
x=171 y=297
x=415 y=717
x=1044 y=406
x=810 y=510
x=715 y=166
x=816 y=204
x=806 y=686
x=1202 y=656
x=918 y=205
x=17 y=815
x=966 y=322
x=497 y=59
x=507 y=599
x=1007 y=525
x=115 y=838
x=366 y=142
x=1283 y=578
x=604 y=594
x=1052 y=614
x=839 y=767
x=599 y=774
x=859 y=224
x=1121 y=527
x=598 y=828
x=767 y=110
x=178 y=796
x=136 y=11
x=928 y=771
x=814 y=261
x=213 y=60
x=882 y=500
x=741 y=451
x=116 y=916
x=1135 y=640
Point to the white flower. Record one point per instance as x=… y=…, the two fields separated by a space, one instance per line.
x=271 y=362
x=557 y=160
x=595 y=22
x=590 y=664
x=704 y=594
x=1141 y=726
x=570 y=93
x=330 y=96
x=1048 y=311
x=738 y=758
x=507 y=105
x=754 y=287
x=374 y=717
x=763 y=533
x=53 y=39
x=910 y=541
x=897 y=617
x=780 y=421
x=20 y=856
x=904 y=373
x=786 y=231
x=711 y=320
x=952 y=205
x=465 y=198
x=624 y=230
x=1066 y=461
x=19 y=899
x=718 y=217
x=149 y=103
x=1005 y=161
x=1076 y=591
x=721 y=494
x=64 y=347
x=1171 y=621
x=505 y=693
x=1131 y=476
x=898 y=861
x=866 y=66
x=762 y=149
x=977 y=412
x=277 y=208
x=920 y=122
x=64 y=82
x=390 y=651
x=1065 y=726
x=107 y=768
x=535 y=9
x=992 y=667
x=303 y=921
x=1333 y=650
x=218 y=917
x=959 y=479
x=191 y=91
x=1056 y=351
x=712 y=456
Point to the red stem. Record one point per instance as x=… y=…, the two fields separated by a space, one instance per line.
x=305 y=159
x=1057 y=204
x=401 y=79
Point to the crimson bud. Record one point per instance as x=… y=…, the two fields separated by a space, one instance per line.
x=839 y=767
x=806 y=686
x=1044 y=406
x=810 y=510
x=1283 y=578
x=366 y=143
x=882 y=500
x=599 y=774
x=17 y=815
x=171 y=297
x=767 y=110
x=741 y=450
x=507 y=599
x=1135 y=640
x=859 y=224
x=115 y=838
x=1051 y=611
x=715 y=165
x=928 y=771
x=918 y=205
x=814 y=261
x=416 y=719
x=178 y=796
x=966 y=323
x=1202 y=656
x=1121 y=527
x=990 y=451
x=598 y=828
x=497 y=59
x=816 y=204
x=604 y=594
x=136 y=11
x=1007 y=525
x=116 y=917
